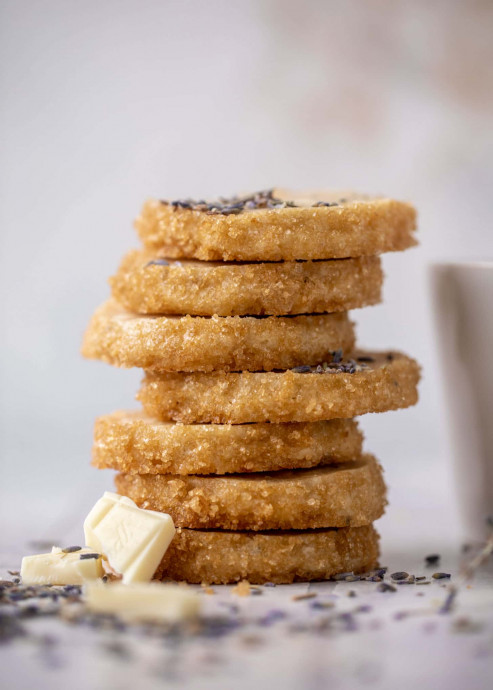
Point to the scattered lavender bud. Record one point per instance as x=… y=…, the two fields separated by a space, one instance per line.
x=386 y=587
x=400 y=575
x=432 y=559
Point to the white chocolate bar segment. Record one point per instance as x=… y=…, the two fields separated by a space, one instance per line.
x=98 y=512
x=151 y=601
x=133 y=540
x=61 y=568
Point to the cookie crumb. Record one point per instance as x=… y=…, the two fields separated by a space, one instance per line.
x=242 y=589
x=306 y=595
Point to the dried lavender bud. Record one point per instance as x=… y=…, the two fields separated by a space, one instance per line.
x=336 y=356
x=303 y=369
x=433 y=559
x=87 y=556
x=271 y=617
x=348 y=620
x=449 y=602
x=440 y=576
x=322 y=605
x=400 y=575
x=71 y=549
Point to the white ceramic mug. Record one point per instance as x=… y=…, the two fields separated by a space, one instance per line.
x=463 y=307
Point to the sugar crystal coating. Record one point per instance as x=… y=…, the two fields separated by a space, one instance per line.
x=149 y=285
x=134 y=443
x=349 y=389
x=198 y=343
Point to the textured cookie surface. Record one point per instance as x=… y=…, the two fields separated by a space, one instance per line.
x=148 y=285
x=216 y=557
x=199 y=343
x=372 y=382
x=133 y=443
x=352 y=494
x=278 y=225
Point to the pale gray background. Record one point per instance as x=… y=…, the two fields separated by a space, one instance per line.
x=105 y=103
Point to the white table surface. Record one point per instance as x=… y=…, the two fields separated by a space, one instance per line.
x=390 y=640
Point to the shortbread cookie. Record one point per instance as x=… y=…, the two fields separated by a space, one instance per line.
x=133 y=443
x=199 y=343
x=148 y=285
x=372 y=382
x=215 y=557
x=277 y=225
x=348 y=495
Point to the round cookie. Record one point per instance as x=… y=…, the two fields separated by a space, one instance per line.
x=199 y=343
x=148 y=285
x=215 y=557
x=277 y=225
x=348 y=495
x=133 y=443
x=372 y=382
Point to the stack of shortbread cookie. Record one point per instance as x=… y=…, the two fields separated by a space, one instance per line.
x=237 y=310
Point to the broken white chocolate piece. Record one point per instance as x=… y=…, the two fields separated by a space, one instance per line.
x=133 y=540
x=151 y=601
x=62 y=567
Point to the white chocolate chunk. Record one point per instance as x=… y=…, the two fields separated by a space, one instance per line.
x=133 y=540
x=151 y=601
x=60 y=568
x=98 y=512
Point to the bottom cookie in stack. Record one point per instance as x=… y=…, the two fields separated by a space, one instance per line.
x=222 y=557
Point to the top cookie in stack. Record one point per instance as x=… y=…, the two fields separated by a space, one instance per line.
x=278 y=225
x=237 y=311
